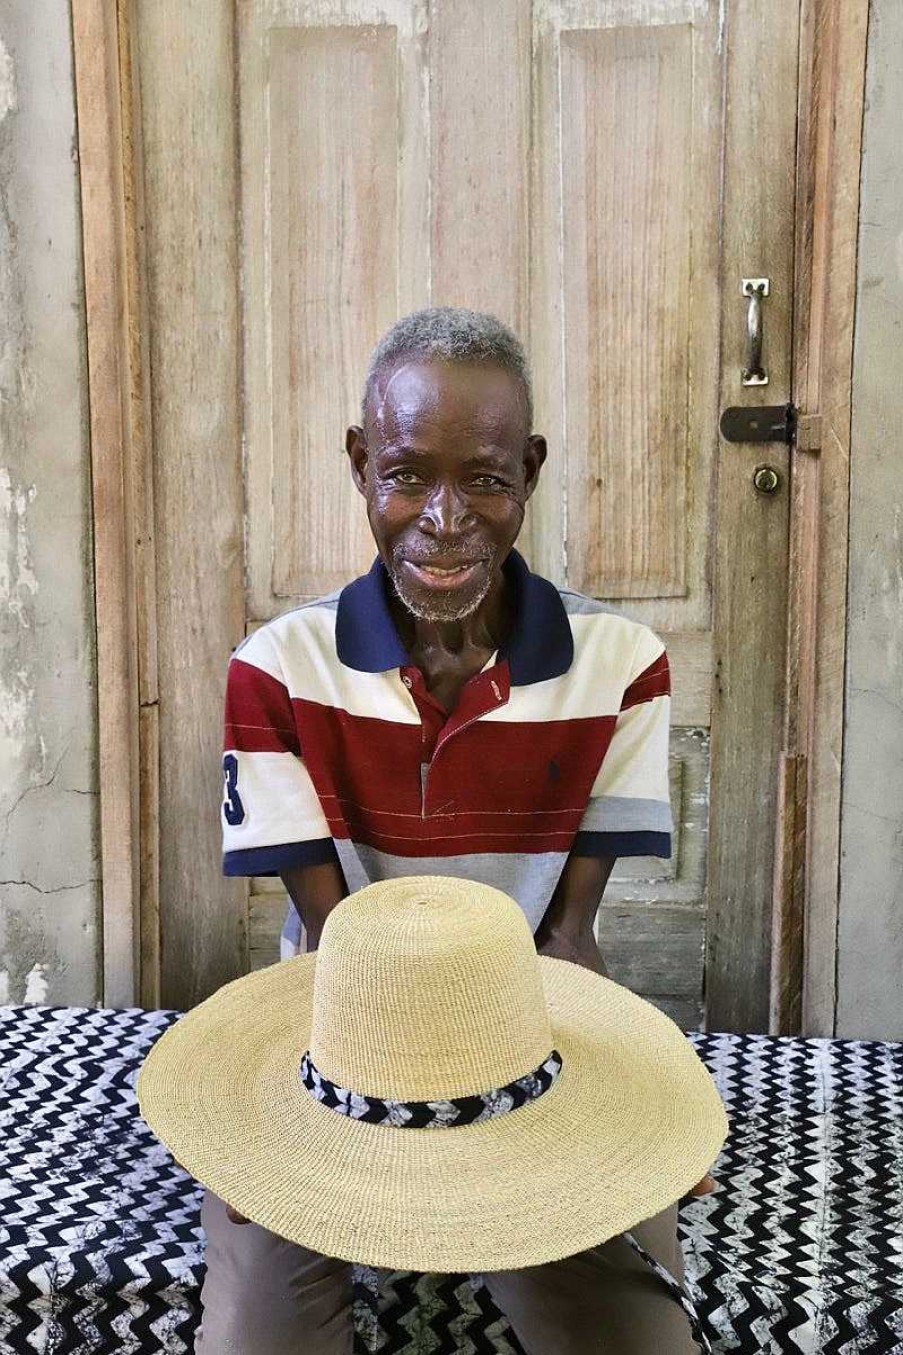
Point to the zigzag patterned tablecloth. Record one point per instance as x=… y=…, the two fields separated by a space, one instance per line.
x=801 y=1248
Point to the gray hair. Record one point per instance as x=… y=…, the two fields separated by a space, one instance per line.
x=451 y=334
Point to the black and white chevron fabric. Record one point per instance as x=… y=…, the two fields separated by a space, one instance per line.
x=100 y=1248
x=453 y=1114
x=801 y=1247
x=799 y=1250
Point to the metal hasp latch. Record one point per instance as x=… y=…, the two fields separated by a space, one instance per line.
x=759 y=423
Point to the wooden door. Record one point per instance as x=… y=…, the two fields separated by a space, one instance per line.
x=601 y=174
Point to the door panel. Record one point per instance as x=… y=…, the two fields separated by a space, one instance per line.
x=189 y=317
x=480 y=219
x=626 y=144
x=335 y=192
x=751 y=539
x=559 y=164
x=333 y=123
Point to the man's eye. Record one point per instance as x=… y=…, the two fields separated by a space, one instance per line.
x=404 y=477
x=486 y=481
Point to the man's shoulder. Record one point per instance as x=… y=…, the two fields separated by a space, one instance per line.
x=579 y=604
x=604 y=635
x=588 y=613
x=281 y=635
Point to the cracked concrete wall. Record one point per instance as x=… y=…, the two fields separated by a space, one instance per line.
x=49 y=846
x=870 y=933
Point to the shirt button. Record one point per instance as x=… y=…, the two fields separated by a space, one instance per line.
x=407 y=681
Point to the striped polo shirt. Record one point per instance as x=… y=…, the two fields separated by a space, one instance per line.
x=334 y=748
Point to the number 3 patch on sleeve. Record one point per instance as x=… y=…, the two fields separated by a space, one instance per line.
x=233 y=809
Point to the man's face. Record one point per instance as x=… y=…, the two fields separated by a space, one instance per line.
x=446 y=464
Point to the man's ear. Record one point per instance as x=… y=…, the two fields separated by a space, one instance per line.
x=356 y=447
x=534 y=457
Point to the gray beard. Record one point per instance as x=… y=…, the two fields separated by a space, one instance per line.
x=442 y=608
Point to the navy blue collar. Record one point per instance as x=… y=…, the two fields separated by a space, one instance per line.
x=541 y=645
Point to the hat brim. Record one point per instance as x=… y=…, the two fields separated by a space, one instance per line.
x=632 y=1123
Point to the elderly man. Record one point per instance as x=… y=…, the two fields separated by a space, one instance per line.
x=449 y=713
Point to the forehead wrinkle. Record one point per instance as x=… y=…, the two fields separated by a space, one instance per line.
x=485 y=456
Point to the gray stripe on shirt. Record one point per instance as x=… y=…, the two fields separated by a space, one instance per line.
x=529 y=878
x=624 y=814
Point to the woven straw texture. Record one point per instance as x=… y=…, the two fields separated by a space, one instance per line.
x=431 y=988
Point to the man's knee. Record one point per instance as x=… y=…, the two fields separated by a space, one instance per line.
x=265 y=1296
x=606 y=1301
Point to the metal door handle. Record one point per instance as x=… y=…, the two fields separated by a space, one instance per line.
x=753 y=373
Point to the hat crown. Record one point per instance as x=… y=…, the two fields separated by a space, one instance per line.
x=427 y=988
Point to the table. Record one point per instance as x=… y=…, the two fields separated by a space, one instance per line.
x=800 y=1249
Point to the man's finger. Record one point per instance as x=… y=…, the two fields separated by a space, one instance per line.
x=234 y=1217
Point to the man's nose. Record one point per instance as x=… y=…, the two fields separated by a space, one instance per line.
x=446 y=511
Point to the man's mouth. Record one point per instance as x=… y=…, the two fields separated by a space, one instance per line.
x=448 y=575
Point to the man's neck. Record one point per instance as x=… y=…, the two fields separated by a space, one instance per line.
x=449 y=653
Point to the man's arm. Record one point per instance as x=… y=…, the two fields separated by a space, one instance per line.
x=315 y=891
x=566 y=930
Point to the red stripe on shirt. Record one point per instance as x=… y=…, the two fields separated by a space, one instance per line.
x=367 y=775
x=259 y=716
x=653 y=681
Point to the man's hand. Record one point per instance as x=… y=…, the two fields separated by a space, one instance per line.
x=704 y=1187
x=579 y=948
x=234 y=1217
x=566 y=930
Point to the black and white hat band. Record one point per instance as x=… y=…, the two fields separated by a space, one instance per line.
x=432 y=1114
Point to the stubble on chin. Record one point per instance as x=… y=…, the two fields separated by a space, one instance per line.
x=444 y=607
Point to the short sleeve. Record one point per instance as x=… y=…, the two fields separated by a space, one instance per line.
x=629 y=811
x=271 y=815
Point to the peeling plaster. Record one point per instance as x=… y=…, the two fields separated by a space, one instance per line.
x=17 y=577
x=31 y=959
x=8 y=93
x=21 y=747
x=36 y=985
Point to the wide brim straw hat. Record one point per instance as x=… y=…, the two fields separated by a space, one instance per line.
x=426 y=990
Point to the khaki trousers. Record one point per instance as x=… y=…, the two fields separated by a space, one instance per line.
x=266 y=1296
